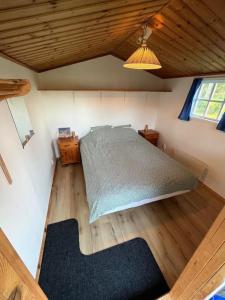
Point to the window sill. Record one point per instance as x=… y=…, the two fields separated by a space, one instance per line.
x=204 y=120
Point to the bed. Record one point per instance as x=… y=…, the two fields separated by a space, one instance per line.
x=123 y=170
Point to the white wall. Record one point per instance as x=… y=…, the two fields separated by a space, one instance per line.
x=80 y=110
x=199 y=138
x=23 y=205
x=102 y=73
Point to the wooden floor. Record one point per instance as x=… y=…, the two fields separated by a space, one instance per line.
x=173 y=228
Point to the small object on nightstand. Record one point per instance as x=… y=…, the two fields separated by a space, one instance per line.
x=150 y=135
x=146 y=128
x=69 y=150
x=64 y=132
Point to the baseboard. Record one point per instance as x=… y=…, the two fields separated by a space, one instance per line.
x=213 y=192
x=45 y=228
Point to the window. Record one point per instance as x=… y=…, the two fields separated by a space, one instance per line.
x=209 y=102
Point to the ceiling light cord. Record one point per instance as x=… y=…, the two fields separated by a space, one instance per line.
x=147 y=31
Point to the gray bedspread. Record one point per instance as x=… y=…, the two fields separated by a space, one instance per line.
x=121 y=167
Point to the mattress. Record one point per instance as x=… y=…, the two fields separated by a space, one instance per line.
x=123 y=170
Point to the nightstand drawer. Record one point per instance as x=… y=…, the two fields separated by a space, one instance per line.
x=69 y=156
x=66 y=146
x=152 y=136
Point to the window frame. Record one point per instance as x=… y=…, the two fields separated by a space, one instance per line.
x=210 y=100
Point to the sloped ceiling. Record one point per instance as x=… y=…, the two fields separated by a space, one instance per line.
x=188 y=35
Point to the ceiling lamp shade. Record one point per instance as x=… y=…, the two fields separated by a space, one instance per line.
x=143 y=58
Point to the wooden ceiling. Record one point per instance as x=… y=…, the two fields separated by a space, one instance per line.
x=188 y=35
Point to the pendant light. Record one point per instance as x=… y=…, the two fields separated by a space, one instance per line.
x=143 y=58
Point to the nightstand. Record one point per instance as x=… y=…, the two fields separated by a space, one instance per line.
x=69 y=150
x=151 y=135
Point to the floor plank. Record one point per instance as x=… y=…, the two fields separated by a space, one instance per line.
x=173 y=228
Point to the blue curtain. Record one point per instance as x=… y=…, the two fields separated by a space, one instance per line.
x=221 y=124
x=186 y=110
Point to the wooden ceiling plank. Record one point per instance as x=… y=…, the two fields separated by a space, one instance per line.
x=70 y=51
x=76 y=43
x=83 y=27
x=68 y=60
x=70 y=47
x=66 y=39
x=188 y=27
x=190 y=60
x=18 y=3
x=184 y=72
x=166 y=72
x=191 y=17
x=91 y=19
x=191 y=56
x=78 y=11
x=45 y=64
x=51 y=7
x=79 y=6
x=57 y=55
x=217 y=9
x=184 y=49
x=42 y=66
x=180 y=36
x=185 y=63
x=206 y=14
x=74 y=35
x=199 y=54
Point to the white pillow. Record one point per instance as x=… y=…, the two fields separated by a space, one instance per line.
x=122 y=126
x=99 y=127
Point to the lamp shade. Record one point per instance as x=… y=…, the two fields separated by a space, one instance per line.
x=143 y=58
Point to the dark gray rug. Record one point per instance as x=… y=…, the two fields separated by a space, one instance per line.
x=126 y=271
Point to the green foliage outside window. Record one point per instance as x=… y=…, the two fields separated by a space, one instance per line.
x=210 y=101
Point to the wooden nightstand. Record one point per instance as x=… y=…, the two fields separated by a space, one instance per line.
x=69 y=150
x=151 y=135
